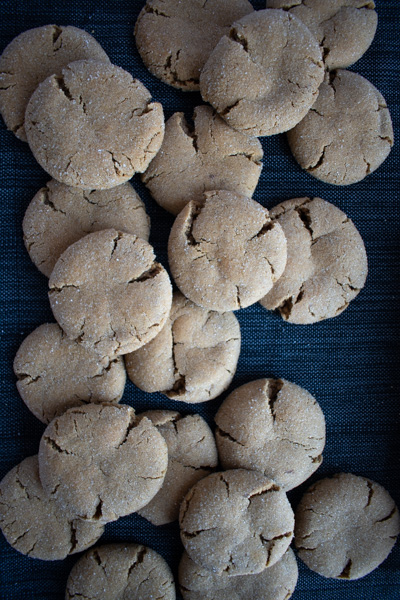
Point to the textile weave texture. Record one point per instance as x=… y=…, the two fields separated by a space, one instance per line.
x=349 y=363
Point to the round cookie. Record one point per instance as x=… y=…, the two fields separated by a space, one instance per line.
x=100 y=462
x=193 y=358
x=264 y=77
x=33 y=523
x=348 y=132
x=326 y=261
x=275 y=583
x=237 y=522
x=93 y=126
x=344 y=28
x=55 y=373
x=60 y=215
x=121 y=571
x=33 y=56
x=224 y=251
x=274 y=427
x=175 y=38
x=346 y=526
x=192 y=454
x=213 y=156
x=108 y=293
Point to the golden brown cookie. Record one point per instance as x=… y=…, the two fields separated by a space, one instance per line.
x=193 y=358
x=60 y=215
x=93 y=126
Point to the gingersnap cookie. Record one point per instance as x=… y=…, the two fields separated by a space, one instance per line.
x=326 y=261
x=224 y=251
x=271 y=426
x=175 y=38
x=348 y=132
x=275 y=583
x=346 y=526
x=33 y=523
x=344 y=28
x=55 y=373
x=264 y=76
x=193 y=358
x=108 y=293
x=93 y=126
x=33 y=56
x=117 y=571
x=237 y=522
x=100 y=462
x=213 y=156
x=192 y=454
x=60 y=215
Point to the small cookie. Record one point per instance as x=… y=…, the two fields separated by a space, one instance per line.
x=33 y=56
x=271 y=426
x=213 y=156
x=108 y=293
x=33 y=523
x=276 y=583
x=224 y=251
x=99 y=462
x=93 y=126
x=237 y=522
x=121 y=571
x=175 y=38
x=346 y=526
x=348 y=132
x=55 y=373
x=264 y=77
x=193 y=358
x=326 y=265
x=60 y=215
x=192 y=454
x=344 y=28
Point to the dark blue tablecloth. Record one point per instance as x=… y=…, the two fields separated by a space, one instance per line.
x=350 y=363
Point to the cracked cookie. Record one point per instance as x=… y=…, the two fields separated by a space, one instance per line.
x=108 y=293
x=55 y=373
x=213 y=156
x=100 y=463
x=346 y=526
x=274 y=427
x=348 y=132
x=93 y=126
x=33 y=56
x=33 y=523
x=120 y=571
x=192 y=455
x=60 y=215
x=193 y=358
x=175 y=38
x=275 y=583
x=344 y=28
x=225 y=252
x=326 y=261
x=237 y=522
x=264 y=76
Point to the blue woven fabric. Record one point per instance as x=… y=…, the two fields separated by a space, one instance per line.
x=350 y=363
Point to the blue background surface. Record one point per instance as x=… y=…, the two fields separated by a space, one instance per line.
x=350 y=363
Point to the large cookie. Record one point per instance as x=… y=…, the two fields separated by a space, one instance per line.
x=60 y=215
x=30 y=58
x=93 y=126
x=108 y=293
x=264 y=77
x=326 y=265
x=175 y=38
x=193 y=358
x=346 y=526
